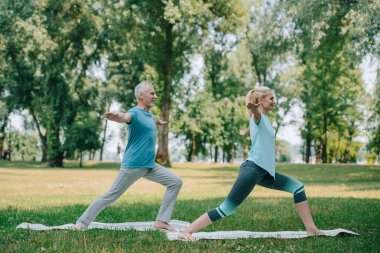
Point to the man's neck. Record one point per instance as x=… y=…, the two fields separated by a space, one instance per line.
x=142 y=106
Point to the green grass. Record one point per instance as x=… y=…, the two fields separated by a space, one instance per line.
x=346 y=196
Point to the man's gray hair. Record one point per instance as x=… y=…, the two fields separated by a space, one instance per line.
x=140 y=87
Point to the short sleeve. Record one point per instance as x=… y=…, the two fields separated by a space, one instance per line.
x=133 y=115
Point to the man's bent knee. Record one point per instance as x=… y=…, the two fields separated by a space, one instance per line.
x=178 y=183
x=175 y=183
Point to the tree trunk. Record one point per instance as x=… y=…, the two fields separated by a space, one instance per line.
x=245 y=151
x=193 y=149
x=162 y=156
x=224 y=153
x=232 y=153
x=10 y=148
x=324 y=143
x=43 y=138
x=80 y=159
x=346 y=156
x=2 y=136
x=336 y=151
x=232 y=150
x=189 y=152
x=104 y=135
x=163 y=138
x=103 y=140
x=308 y=149
x=216 y=154
x=55 y=155
x=308 y=143
x=317 y=154
x=228 y=153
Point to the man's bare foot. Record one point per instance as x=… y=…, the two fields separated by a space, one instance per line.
x=164 y=225
x=186 y=236
x=77 y=227
x=314 y=232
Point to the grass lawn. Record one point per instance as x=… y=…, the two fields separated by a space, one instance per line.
x=341 y=196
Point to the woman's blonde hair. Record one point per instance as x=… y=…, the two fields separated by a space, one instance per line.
x=255 y=95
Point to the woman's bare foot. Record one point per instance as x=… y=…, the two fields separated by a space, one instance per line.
x=164 y=225
x=314 y=232
x=186 y=236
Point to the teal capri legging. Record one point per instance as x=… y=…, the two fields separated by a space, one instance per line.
x=249 y=175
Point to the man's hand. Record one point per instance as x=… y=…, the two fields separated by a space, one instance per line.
x=160 y=122
x=118 y=117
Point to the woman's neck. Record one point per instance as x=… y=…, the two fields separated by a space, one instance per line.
x=263 y=111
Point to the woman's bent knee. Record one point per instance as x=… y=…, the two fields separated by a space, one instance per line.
x=300 y=197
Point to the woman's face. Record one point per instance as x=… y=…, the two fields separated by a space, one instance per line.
x=269 y=101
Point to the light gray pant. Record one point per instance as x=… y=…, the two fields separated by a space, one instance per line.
x=124 y=180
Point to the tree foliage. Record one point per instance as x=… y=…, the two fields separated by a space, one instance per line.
x=330 y=80
x=374 y=126
x=66 y=61
x=82 y=136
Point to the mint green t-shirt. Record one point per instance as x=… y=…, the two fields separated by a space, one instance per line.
x=140 y=149
x=262 y=150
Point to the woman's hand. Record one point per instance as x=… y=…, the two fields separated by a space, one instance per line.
x=251 y=105
x=186 y=236
x=244 y=132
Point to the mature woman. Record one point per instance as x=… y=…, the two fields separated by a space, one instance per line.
x=258 y=169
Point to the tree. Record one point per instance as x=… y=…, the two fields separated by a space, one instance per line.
x=232 y=114
x=12 y=70
x=3 y=123
x=51 y=45
x=374 y=129
x=225 y=88
x=330 y=87
x=200 y=123
x=82 y=136
x=270 y=40
x=22 y=146
x=168 y=32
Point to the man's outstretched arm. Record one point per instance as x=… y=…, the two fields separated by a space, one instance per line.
x=119 y=117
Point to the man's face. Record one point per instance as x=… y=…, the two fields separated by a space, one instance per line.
x=148 y=96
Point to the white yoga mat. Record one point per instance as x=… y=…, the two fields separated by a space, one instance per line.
x=139 y=226
x=180 y=225
x=248 y=234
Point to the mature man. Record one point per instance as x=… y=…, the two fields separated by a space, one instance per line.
x=138 y=161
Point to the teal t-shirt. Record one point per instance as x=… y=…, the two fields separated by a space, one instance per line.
x=262 y=144
x=140 y=149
